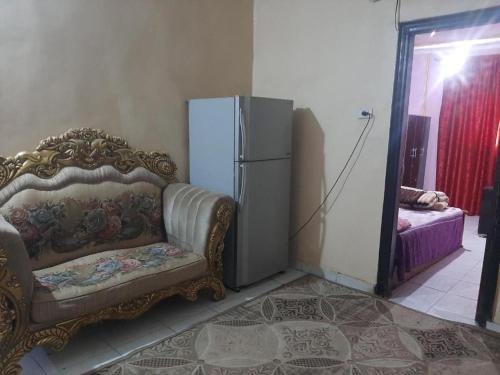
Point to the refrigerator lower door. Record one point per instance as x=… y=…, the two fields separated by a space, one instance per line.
x=262 y=220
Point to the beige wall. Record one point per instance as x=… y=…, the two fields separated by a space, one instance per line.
x=126 y=66
x=334 y=58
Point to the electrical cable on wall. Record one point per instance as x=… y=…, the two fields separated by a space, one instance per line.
x=397 y=15
x=370 y=117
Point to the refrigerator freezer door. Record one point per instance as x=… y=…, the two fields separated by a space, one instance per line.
x=211 y=144
x=265 y=129
x=262 y=219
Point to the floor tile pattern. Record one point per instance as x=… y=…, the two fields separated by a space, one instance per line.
x=449 y=289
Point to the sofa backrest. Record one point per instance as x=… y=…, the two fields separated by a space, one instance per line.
x=81 y=193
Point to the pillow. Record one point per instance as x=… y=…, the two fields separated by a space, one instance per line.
x=403 y=224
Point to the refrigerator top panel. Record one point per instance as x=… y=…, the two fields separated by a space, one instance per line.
x=265 y=129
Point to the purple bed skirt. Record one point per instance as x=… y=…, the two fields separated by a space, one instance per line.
x=427 y=243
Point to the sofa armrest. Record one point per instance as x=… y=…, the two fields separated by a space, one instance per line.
x=16 y=285
x=197 y=220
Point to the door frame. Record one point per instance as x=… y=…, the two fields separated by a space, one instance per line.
x=401 y=90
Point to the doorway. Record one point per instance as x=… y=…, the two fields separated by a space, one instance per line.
x=413 y=158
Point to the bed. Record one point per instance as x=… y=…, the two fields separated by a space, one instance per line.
x=432 y=236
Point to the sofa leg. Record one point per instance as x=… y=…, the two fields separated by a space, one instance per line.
x=10 y=367
x=54 y=337
x=219 y=291
x=9 y=364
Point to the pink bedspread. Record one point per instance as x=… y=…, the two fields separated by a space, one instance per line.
x=419 y=218
x=432 y=236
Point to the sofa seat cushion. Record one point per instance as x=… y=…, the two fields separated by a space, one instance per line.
x=95 y=281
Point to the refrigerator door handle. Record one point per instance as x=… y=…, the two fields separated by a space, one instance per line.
x=242 y=187
x=243 y=135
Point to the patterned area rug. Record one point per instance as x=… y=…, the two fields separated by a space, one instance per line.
x=315 y=327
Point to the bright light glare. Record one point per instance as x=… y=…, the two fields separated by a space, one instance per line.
x=498 y=134
x=453 y=61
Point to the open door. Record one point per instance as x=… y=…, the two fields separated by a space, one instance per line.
x=489 y=275
x=399 y=114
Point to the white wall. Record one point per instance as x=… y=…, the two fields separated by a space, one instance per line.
x=334 y=58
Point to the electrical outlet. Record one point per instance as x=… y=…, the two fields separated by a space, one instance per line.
x=364 y=114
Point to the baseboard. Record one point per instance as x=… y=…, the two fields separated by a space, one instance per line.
x=492 y=326
x=335 y=277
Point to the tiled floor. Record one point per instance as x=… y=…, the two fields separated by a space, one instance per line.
x=449 y=289
x=107 y=341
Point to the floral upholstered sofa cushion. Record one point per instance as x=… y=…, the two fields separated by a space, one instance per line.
x=85 y=284
x=80 y=219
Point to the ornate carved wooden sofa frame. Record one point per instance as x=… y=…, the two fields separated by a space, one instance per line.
x=88 y=149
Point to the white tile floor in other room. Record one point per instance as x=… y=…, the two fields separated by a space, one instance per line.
x=449 y=289
x=104 y=342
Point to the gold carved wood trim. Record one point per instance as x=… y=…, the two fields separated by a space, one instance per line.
x=85 y=148
x=215 y=246
x=58 y=335
x=13 y=308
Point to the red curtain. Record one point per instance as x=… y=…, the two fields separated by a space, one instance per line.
x=468 y=132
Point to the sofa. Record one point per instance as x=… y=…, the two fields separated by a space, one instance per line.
x=91 y=229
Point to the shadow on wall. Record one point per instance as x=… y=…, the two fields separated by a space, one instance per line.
x=308 y=188
x=358 y=148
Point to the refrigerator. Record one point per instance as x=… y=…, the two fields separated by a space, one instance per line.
x=241 y=146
